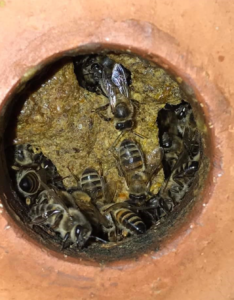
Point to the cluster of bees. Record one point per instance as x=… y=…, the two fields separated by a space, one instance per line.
x=88 y=211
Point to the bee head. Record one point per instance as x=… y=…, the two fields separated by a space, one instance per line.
x=166 y=141
x=82 y=235
x=182 y=111
x=96 y=70
x=124 y=125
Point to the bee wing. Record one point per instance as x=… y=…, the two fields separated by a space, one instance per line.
x=182 y=159
x=92 y=213
x=108 y=208
x=108 y=89
x=119 y=79
x=61 y=197
x=109 y=191
x=154 y=161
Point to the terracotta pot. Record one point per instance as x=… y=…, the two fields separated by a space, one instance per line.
x=195 y=40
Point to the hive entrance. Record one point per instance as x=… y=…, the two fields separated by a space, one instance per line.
x=112 y=195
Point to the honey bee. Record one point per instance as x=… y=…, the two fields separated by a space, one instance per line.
x=155 y=209
x=23 y=156
x=137 y=173
x=184 y=116
x=192 y=143
x=173 y=147
x=94 y=184
x=67 y=220
x=89 y=72
x=112 y=80
x=93 y=189
x=167 y=121
x=185 y=168
x=123 y=219
x=26 y=158
x=174 y=119
x=179 y=182
x=122 y=108
x=84 y=202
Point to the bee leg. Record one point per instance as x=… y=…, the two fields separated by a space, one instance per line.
x=136 y=104
x=104 y=117
x=165 y=206
x=170 y=204
x=100 y=109
x=15 y=168
x=41 y=219
x=178 y=182
x=38 y=221
x=57 y=220
x=115 y=224
x=64 y=245
x=148 y=215
x=118 y=166
x=100 y=168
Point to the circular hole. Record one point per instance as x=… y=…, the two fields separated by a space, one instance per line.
x=105 y=151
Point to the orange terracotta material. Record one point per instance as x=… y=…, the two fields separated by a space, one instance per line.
x=194 y=38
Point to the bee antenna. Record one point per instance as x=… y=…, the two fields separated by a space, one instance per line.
x=140 y=135
x=117 y=139
x=97 y=239
x=58 y=178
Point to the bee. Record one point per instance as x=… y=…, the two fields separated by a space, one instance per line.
x=192 y=143
x=174 y=119
x=180 y=181
x=26 y=158
x=182 y=110
x=89 y=72
x=167 y=121
x=184 y=170
x=95 y=192
x=185 y=118
x=138 y=174
x=94 y=184
x=173 y=147
x=52 y=176
x=67 y=220
x=123 y=219
x=112 y=80
x=29 y=182
x=122 y=108
x=93 y=189
x=84 y=202
x=155 y=209
x=23 y=156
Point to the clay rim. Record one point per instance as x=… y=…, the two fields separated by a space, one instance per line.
x=176 y=233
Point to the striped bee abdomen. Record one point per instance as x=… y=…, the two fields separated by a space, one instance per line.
x=29 y=183
x=130 y=220
x=91 y=182
x=130 y=155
